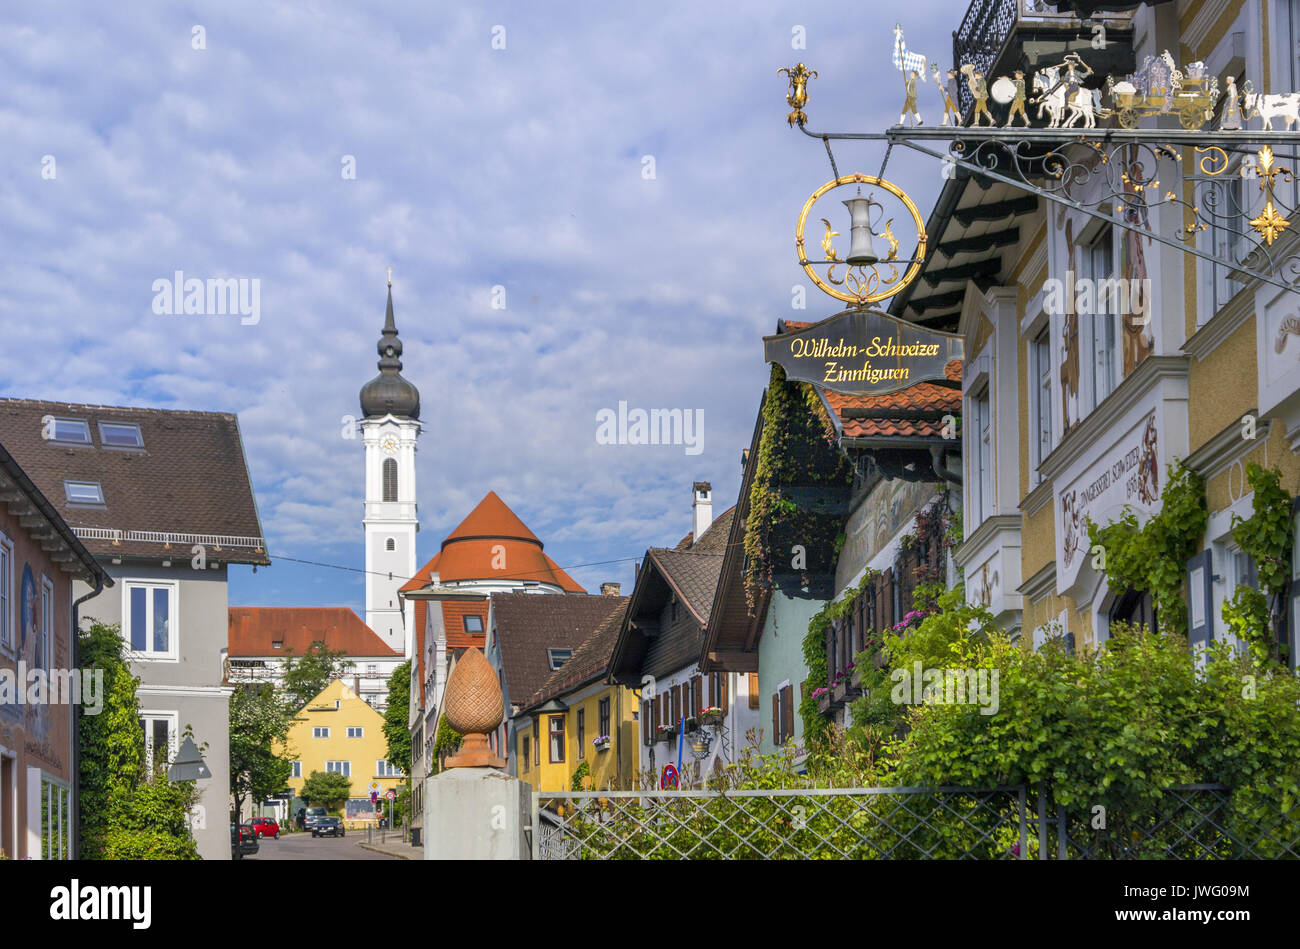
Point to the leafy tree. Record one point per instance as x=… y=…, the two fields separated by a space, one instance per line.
x=259 y=722
x=306 y=676
x=327 y=789
x=126 y=813
x=396 y=716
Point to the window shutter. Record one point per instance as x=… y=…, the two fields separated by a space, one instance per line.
x=697 y=695
x=787 y=712
x=888 y=589
x=659 y=706
x=647 y=729
x=776 y=719
x=723 y=679
x=753 y=690
x=1200 y=618
x=713 y=689
x=677 y=704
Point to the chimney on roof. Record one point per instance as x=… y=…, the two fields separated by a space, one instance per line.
x=701 y=510
x=610 y=589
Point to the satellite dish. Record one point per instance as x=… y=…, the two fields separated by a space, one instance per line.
x=189 y=764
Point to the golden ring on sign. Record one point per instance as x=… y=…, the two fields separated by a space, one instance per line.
x=918 y=256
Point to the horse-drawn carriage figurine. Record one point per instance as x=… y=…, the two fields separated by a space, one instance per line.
x=1160 y=88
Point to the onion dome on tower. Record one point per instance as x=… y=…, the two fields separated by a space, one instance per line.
x=389 y=393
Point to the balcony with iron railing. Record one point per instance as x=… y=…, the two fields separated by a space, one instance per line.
x=999 y=36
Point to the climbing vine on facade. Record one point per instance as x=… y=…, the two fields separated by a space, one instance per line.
x=1152 y=557
x=1265 y=537
x=797 y=450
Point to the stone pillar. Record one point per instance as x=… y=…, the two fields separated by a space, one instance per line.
x=473 y=810
x=476 y=814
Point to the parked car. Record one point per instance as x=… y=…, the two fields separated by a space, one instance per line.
x=313 y=815
x=265 y=826
x=328 y=827
x=243 y=840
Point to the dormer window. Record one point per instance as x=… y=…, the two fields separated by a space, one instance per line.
x=83 y=492
x=120 y=435
x=558 y=657
x=71 y=431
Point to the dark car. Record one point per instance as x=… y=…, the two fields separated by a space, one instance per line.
x=243 y=839
x=328 y=827
x=265 y=826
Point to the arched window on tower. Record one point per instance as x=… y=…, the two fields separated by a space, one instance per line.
x=390 y=545
x=390 y=479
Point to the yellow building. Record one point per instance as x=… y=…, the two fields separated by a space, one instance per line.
x=581 y=723
x=338 y=731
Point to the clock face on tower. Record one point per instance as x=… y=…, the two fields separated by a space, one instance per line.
x=389 y=444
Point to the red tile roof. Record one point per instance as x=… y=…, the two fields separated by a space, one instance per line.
x=924 y=396
x=473 y=551
x=254 y=630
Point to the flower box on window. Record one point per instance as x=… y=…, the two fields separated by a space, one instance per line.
x=712 y=716
x=665 y=732
x=692 y=724
x=844 y=690
x=601 y=743
x=822 y=697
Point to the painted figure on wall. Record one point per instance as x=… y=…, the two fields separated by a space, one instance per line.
x=32 y=650
x=1069 y=343
x=1139 y=337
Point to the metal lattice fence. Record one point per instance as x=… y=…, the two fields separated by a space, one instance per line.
x=800 y=824
x=1191 y=822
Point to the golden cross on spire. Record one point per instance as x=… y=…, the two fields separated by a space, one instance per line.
x=390 y=276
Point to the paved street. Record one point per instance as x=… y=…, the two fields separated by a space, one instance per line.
x=305 y=847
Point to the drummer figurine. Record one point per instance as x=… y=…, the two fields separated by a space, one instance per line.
x=948 y=93
x=1017 y=100
x=909 y=104
x=980 y=90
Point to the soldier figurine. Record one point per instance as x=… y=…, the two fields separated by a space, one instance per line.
x=980 y=90
x=948 y=93
x=909 y=104
x=1018 y=101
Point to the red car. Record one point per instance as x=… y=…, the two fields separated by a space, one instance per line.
x=265 y=827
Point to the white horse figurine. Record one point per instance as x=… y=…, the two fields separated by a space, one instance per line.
x=1083 y=105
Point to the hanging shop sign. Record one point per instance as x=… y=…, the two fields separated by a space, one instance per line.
x=864 y=352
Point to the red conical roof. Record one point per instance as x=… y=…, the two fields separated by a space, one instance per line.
x=492 y=543
x=492 y=519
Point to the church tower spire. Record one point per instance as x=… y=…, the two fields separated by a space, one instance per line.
x=390 y=428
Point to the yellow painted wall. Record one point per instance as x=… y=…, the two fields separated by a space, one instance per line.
x=1222 y=387
x=363 y=752
x=614 y=767
x=1228 y=485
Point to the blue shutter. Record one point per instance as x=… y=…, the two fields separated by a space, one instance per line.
x=1200 y=600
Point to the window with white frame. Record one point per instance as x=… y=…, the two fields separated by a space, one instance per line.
x=120 y=435
x=56 y=819
x=1040 y=356
x=1228 y=234
x=161 y=734
x=149 y=618
x=386 y=769
x=320 y=731
x=6 y=594
x=981 y=455
x=73 y=431
x=45 y=638
x=295 y=769
x=1097 y=265
x=339 y=767
x=356 y=731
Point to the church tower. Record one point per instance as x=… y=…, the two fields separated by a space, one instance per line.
x=390 y=426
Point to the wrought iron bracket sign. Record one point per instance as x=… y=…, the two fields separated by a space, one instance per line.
x=864 y=352
x=871 y=273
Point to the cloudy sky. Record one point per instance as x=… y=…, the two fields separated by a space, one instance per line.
x=526 y=167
